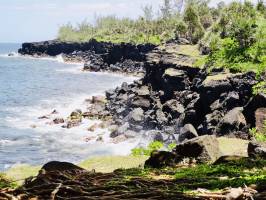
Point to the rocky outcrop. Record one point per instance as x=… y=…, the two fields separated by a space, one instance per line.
x=174 y=102
x=204 y=149
x=182 y=102
x=98 y=56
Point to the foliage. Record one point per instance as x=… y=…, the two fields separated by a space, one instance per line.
x=260 y=136
x=153 y=146
x=5 y=183
x=238 y=39
x=171 y=146
x=169 y=23
x=195 y=28
x=232 y=174
x=259 y=88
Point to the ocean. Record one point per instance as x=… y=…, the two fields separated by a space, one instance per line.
x=30 y=88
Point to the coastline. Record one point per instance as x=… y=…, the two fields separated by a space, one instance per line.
x=78 y=102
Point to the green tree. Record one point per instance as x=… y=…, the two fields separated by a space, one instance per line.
x=191 y=18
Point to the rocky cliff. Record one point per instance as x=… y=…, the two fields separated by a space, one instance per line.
x=98 y=56
x=179 y=102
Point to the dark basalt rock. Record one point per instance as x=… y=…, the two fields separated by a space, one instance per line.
x=257 y=150
x=98 y=56
x=174 y=95
x=204 y=149
x=160 y=159
x=233 y=120
x=60 y=166
x=171 y=95
x=187 y=132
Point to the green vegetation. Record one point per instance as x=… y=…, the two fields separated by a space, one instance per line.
x=19 y=173
x=259 y=88
x=212 y=177
x=238 y=38
x=233 y=174
x=235 y=33
x=108 y=164
x=153 y=146
x=5 y=183
x=169 y=23
x=260 y=136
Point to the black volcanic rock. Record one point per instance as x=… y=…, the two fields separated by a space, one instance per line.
x=98 y=56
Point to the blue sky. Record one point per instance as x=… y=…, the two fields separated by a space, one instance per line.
x=35 y=20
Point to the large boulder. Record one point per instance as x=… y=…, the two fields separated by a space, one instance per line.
x=257 y=150
x=160 y=159
x=60 y=166
x=234 y=120
x=187 y=132
x=205 y=149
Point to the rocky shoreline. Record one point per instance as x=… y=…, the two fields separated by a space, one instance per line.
x=173 y=102
x=97 y=56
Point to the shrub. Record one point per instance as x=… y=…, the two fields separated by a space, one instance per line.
x=156 y=145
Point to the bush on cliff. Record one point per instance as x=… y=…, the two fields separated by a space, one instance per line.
x=238 y=39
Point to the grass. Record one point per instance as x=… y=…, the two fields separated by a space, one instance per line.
x=110 y=163
x=5 y=182
x=215 y=177
x=212 y=177
x=189 y=50
x=19 y=173
x=104 y=164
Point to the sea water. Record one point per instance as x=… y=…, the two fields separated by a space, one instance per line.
x=30 y=88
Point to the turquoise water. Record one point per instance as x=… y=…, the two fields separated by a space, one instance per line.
x=30 y=88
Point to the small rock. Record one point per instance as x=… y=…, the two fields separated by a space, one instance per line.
x=120 y=130
x=33 y=126
x=43 y=117
x=93 y=127
x=160 y=116
x=60 y=166
x=235 y=193
x=54 y=112
x=76 y=114
x=143 y=91
x=100 y=139
x=174 y=108
x=58 y=121
x=98 y=99
x=141 y=102
x=137 y=115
